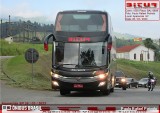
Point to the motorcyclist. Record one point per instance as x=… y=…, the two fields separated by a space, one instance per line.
x=150 y=76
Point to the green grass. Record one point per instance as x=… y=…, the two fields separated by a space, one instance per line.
x=18 y=48
x=21 y=71
x=139 y=69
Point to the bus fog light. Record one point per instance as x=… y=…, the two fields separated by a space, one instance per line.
x=101 y=84
x=55 y=83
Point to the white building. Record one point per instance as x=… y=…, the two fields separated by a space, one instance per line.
x=135 y=52
x=9 y=39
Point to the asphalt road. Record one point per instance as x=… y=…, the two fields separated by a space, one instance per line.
x=130 y=96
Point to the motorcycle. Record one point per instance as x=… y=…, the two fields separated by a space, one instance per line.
x=151 y=84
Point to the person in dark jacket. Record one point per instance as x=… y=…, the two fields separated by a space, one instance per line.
x=150 y=76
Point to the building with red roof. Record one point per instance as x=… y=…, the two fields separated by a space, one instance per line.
x=135 y=52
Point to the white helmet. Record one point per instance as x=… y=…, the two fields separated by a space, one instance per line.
x=150 y=73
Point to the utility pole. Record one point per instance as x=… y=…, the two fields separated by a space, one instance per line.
x=19 y=30
x=159 y=43
x=9 y=25
x=28 y=31
x=24 y=32
x=35 y=30
x=1 y=29
x=6 y=29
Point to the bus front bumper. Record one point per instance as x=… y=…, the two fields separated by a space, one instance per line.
x=80 y=84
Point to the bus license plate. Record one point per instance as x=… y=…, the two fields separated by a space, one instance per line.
x=78 y=86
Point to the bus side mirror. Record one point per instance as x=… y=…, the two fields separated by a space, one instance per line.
x=46 y=46
x=46 y=40
x=109 y=46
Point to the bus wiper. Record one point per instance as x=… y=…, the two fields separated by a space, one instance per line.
x=91 y=66
x=57 y=66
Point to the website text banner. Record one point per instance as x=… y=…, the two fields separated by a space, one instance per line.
x=142 y=10
x=80 y=108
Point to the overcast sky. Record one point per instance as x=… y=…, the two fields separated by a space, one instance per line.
x=49 y=8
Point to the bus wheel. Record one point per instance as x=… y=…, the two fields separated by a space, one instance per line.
x=64 y=92
x=124 y=88
x=112 y=90
x=105 y=90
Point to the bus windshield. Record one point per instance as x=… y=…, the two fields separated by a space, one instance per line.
x=81 y=54
x=81 y=22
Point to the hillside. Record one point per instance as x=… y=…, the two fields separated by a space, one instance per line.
x=126 y=36
x=138 y=69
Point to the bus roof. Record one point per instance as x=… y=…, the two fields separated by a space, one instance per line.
x=77 y=36
x=84 y=11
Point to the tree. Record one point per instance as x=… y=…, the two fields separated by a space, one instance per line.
x=157 y=55
x=148 y=42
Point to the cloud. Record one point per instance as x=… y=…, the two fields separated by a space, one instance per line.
x=21 y=10
x=46 y=11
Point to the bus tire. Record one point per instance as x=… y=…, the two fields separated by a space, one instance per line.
x=105 y=90
x=112 y=90
x=64 y=92
x=124 y=88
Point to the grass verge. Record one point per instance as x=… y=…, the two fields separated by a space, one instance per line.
x=18 y=48
x=139 y=70
x=21 y=72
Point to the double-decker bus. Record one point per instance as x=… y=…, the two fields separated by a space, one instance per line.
x=83 y=52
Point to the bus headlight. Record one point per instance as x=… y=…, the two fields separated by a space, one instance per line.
x=55 y=75
x=123 y=80
x=102 y=76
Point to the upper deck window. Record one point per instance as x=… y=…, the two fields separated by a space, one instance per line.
x=81 y=22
